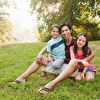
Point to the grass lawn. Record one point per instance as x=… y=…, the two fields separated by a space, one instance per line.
x=15 y=59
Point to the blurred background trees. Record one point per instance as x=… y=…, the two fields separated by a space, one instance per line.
x=84 y=16
x=5 y=24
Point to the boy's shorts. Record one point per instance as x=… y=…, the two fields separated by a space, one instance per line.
x=54 y=67
x=56 y=71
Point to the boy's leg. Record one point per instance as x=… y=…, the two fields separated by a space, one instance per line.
x=58 y=63
x=32 y=68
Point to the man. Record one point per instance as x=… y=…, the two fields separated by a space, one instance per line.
x=70 y=68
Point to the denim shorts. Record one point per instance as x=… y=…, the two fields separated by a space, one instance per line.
x=88 y=70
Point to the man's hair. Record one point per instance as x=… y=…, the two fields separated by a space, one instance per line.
x=66 y=24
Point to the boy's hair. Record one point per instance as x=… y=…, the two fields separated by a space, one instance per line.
x=56 y=26
x=85 y=47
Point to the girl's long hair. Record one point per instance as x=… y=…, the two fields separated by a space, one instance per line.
x=85 y=48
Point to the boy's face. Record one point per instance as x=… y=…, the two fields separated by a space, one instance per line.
x=55 y=32
x=65 y=32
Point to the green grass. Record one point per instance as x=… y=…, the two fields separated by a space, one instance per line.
x=15 y=59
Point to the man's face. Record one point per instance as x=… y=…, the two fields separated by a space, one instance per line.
x=65 y=32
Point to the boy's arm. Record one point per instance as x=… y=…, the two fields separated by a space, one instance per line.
x=49 y=57
x=39 y=57
x=44 y=50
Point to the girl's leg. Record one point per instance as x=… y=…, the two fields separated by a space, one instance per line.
x=78 y=77
x=65 y=74
x=89 y=76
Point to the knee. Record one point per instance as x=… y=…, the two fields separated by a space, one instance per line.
x=74 y=62
x=90 y=76
x=78 y=79
x=89 y=79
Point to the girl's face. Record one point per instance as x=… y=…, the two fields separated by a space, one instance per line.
x=81 y=41
x=66 y=32
x=55 y=32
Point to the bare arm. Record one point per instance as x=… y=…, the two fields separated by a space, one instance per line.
x=72 y=54
x=44 y=50
x=49 y=57
x=90 y=57
x=83 y=72
x=40 y=55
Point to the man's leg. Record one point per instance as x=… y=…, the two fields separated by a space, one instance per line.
x=65 y=74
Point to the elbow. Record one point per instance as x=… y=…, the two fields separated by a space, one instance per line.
x=93 y=54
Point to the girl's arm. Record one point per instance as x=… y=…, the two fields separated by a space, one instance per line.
x=84 y=71
x=72 y=54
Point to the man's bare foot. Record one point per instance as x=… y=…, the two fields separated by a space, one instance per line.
x=47 y=88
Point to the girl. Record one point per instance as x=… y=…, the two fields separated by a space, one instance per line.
x=78 y=52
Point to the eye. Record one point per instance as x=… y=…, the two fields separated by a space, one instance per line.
x=83 y=41
x=62 y=31
x=79 y=39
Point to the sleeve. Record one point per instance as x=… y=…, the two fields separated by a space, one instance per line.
x=72 y=48
x=72 y=52
x=48 y=47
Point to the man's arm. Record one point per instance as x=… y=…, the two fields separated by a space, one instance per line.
x=90 y=57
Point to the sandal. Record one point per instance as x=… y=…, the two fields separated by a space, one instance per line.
x=16 y=82
x=44 y=90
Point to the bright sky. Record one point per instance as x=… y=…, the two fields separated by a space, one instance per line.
x=22 y=20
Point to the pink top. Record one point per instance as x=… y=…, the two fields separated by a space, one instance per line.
x=80 y=57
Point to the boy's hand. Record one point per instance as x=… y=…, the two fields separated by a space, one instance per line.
x=39 y=59
x=49 y=59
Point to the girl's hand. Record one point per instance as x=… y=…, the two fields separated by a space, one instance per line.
x=85 y=63
x=83 y=75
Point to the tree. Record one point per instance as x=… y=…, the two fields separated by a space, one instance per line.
x=5 y=25
x=76 y=12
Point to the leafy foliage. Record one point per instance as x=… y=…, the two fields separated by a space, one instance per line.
x=5 y=24
x=77 y=12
